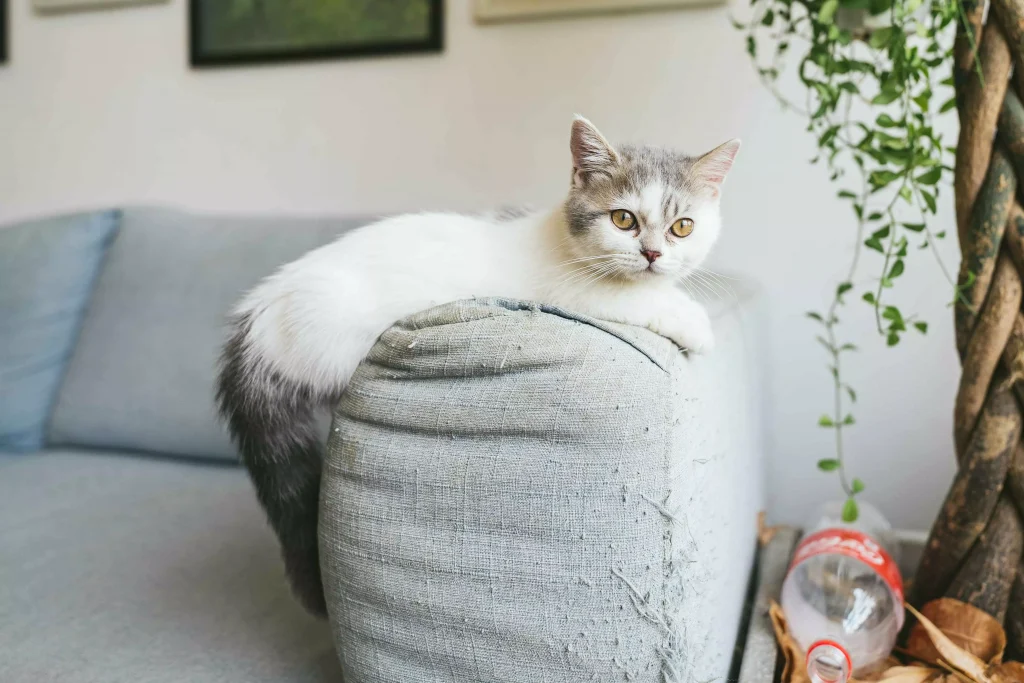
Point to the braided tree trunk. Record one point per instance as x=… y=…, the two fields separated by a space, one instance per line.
x=975 y=550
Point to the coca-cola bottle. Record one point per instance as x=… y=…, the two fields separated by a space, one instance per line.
x=843 y=595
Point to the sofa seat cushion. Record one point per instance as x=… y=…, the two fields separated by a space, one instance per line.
x=121 y=569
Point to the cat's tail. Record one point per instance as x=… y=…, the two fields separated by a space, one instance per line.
x=272 y=420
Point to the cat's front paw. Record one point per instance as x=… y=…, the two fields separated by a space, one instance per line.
x=691 y=332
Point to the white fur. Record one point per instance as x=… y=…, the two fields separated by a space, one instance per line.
x=316 y=318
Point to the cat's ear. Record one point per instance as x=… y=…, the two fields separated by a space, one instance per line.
x=712 y=168
x=591 y=153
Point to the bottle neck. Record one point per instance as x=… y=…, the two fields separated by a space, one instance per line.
x=828 y=662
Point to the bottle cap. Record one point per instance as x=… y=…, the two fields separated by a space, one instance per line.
x=828 y=662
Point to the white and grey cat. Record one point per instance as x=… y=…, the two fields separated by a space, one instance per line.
x=636 y=221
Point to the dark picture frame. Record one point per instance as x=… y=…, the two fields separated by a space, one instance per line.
x=202 y=56
x=3 y=31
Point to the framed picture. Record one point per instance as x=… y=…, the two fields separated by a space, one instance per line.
x=73 y=5
x=512 y=10
x=225 y=32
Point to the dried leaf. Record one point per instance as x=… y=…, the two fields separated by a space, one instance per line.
x=794 y=671
x=1008 y=672
x=765 y=533
x=959 y=658
x=967 y=627
x=909 y=674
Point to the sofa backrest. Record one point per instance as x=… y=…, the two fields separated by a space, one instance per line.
x=141 y=376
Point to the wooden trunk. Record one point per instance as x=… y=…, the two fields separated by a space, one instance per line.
x=974 y=552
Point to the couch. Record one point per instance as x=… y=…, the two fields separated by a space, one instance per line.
x=131 y=546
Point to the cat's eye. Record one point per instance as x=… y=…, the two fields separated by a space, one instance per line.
x=623 y=219
x=682 y=227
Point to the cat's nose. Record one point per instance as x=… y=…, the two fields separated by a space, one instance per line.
x=651 y=256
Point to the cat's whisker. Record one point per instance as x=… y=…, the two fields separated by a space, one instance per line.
x=597 y=273
x=611 y=256
x=577 y=273
x=723 y=289
x=712 y=294
x=584 y=258
x=708 y=271
x=695 y=294
x=708 y=293
x=575 y=277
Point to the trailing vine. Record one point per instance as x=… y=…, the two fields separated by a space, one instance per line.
x=871 y=73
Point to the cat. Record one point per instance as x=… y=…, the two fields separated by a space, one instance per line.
x=636 y=221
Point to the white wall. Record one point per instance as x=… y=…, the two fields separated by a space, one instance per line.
x=101 y=109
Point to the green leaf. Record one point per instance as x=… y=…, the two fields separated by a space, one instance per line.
x=885 y=98
x=929 y=199
x=874 y=243
x=843 y=288
x=828 y=465
x=897 y=269
x=930 y=177
x=947 y=105
x=892 y=313
x=846 y=194
x=751 y=46
x=828 y=11
x=850 y=511
x=905 y=193
x=826 y=421
x=885 y=121
x=892 y=339
x=940 y=235
x=922 y=327
x=769 y=17
x=923 y=99
x=848 y=420
x=815 y=316
x=881 y=37
x=914 y=227
x=848 y=347
x=852 y=393
x=869 y=297
x=882 y=178
x=857 y=485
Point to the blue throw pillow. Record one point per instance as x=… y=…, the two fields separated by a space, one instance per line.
x=47 y=271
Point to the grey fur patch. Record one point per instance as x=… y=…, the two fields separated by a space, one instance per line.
x=273 y=423
x=511 y=213
x=638 y=167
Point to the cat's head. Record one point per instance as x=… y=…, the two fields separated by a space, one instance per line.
x=642 y=212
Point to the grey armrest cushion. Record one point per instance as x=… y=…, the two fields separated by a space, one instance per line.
x=520 y=494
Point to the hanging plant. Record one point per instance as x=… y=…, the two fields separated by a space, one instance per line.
x=872 y=72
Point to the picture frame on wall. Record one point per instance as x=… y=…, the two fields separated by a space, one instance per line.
x=238 y=32
x=54 y=6
x=3 y=31
x=488 y=11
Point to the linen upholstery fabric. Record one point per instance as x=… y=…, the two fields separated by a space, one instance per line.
x=47 y=271
x=517 y=493
x=127 y=569
x=142 y=375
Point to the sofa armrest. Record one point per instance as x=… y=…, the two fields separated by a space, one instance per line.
x=518 y=493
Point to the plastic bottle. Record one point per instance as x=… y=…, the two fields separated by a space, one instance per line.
x=843 y=594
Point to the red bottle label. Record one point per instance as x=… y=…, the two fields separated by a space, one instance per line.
x=858 y=546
